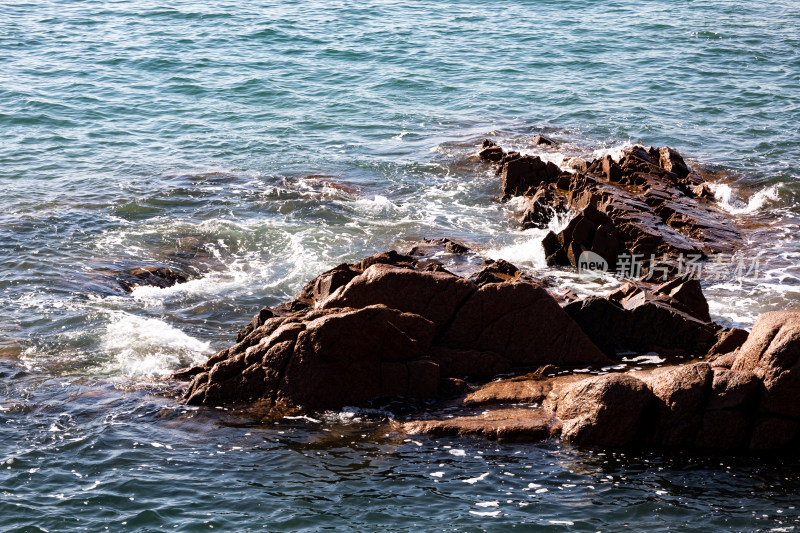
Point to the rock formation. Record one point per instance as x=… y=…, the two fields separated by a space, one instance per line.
x=384 y=328
x=405 y=325
x=649 y=204
x=749 y=402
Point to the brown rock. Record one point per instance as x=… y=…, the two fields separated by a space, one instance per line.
x=434 y=295
x=689 y=293
x=523 y=323
x=774 y=434
x=604 y=411
x=496 y=272
x=263 y=315
x=339 y=359
x=326 y=283
x=772 y=352
x=470 y=364
x=728 y=341
x=522 y=173
x=491 y=153
x=672 y=161
x=542 y=140
x=387 y=258
x=680 y=392
x=643 y=324
x=505 y=425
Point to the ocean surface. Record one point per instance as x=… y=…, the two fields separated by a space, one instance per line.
x=253 y=145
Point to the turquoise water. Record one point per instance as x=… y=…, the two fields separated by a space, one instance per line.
x=252 y=145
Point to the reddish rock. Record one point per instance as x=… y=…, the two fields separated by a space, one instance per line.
x=681 y=393
x=606 y=411
x=540 y=140
x=387 y=258
x=689 y=294
x=354 y=356
x=528 y=388
x=469 y=364
x=650 y=197
x=491 y=153
x=523 y=173
x=728 y=341
x=672 y=161
x=505 y=425
x=434 y=295
x=496 y=272
x=772 y=352
x=641 y=322
x=542 y=207
x=263 y=315
x=326 y=283
x=523 y=323
x=772 y=434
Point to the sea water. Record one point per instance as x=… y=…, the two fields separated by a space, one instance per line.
x=254 y=145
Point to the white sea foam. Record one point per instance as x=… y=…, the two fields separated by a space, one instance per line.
x=148 y=347
x=378 y=206
x=728 y=200
x=526 y=248
x=615 y=151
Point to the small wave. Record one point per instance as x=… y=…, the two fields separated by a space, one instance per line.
x=378 y=206
x=148 y=347
x=527 y=246
x=727 y=199
x=615 y=151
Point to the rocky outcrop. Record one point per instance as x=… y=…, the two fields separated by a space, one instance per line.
x=772 y=353
x=670 y=319
x=604 y=411
x=509 y=424
x=122 y=281
x=384 y=328
x=504 y=359
x=752 y=406
x=649 y=205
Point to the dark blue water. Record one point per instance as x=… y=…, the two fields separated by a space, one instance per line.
x=253 y=145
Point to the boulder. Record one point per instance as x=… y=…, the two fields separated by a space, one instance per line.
x=526 y=172
x=469 y=364
x=433 y=295
x=504 y=425
x=496 y=272
x=335 y=358
x=542 y=206
x=607 y=411
x=490 y=151
x=728 y=341
x=772 y=353
x=541 y=140
x=523 y=323
x=681 y=394
x=641 y=322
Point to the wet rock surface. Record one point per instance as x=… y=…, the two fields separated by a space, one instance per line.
x=490 y=352
x=122 y=281
x=384 y=328
x=649 y=203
